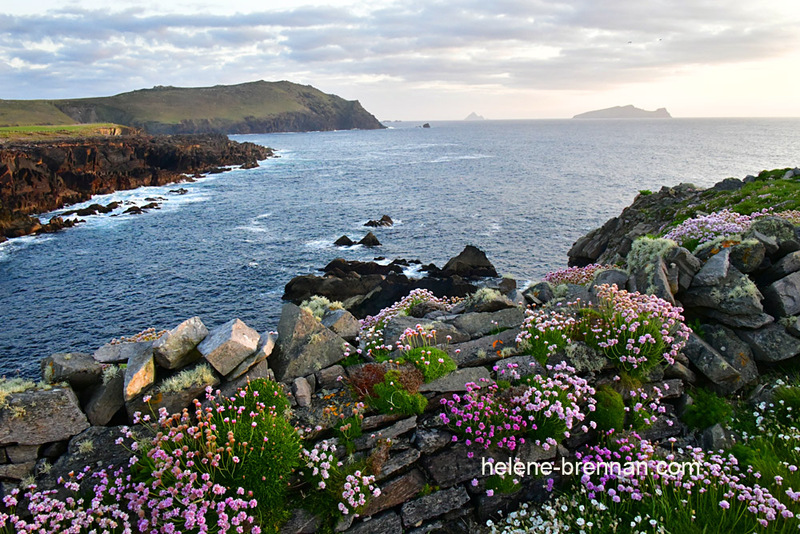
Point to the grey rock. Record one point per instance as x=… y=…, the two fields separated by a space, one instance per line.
x=728 y=184
x=748 y=255
x=302 y=391
x=17 y=472
x=369 y=441
x=756 y=320
x=520 y=365
x=711 y=363
x=666 y=426
x=771 y=343
x=736 y=294
x=456 y=380
x=107 y=399
x=539 y=293
x=782 y=297
x=714 y=271
x=681 y=372
x=652 y=279
x=301 y=522
x=343 y=323
x=433 y=505
x=431 y=440
x=395 y=492
x=481 y=324
x=398 y=325
x=517 y=297
x=35 y=417
x=175 y=349
x=452 y=466
x=20 y=454
x=328 y=378
x=484 y=350
x=140 y=374
x=611 y=277
x=793 y=326
x=266 y=345
x=582 y=357
x=769 y=242
x=716 y=439
x=388 y=523
x=259 y=370
x=780 y=230
x=227 y=345
x=785 y=266
x=122 y=352
x=684 y=264
x=470 y=263
x=79 y=369
x=397 y=463
x=181 y=394
x=735 y=351
x=304 y=345
x=492 y=304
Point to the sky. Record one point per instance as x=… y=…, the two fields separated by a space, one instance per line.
x=421 y=59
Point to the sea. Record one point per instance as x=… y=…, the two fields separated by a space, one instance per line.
x=522 y=191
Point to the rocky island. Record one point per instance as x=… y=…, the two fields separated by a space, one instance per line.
x=624 y=112
x=387 y=405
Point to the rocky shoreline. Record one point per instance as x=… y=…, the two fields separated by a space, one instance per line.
x=38 y=177
x=740 y=294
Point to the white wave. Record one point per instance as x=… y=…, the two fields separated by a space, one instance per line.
x=319 y=243
x=414 y=271
x=264 y=215
x=253 y=228
x=14 y=245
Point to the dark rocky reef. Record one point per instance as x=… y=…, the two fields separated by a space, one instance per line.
x=37 y=177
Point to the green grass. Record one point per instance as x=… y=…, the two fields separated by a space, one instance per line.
x=38 y=132
x=31 y=112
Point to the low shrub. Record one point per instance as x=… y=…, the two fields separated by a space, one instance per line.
x=609 y=414
x=707 y=410
x=391 y=396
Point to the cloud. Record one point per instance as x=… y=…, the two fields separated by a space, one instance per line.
x=533 y=44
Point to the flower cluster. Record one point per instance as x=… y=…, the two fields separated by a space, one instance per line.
x=575 y=275
x=357 y=489
x=637 y=331
x=149 y=334
x=320 y=461
x=544 y=410
x=545 y=332
x=698 y=230
x=793 y=216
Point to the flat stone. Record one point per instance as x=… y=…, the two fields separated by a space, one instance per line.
x=484 y=350
x=388 y=523
x=398 y=325
x=17 y=472
x=482 y=324
x=20 y=454
x=397 y=429
x=227 y=345
x=520 y=365
x=756 y=320
x=175 y=349
x=771 y=343
x=107 y=400
x=711 y=363
x=397 y=463
x=302 y=391
x=79 y=369
x=456 y=381
x=433 y=505
x=782 y=298
x=714 y=271
x=452 y=466
x=122 y=352
x=395 y=492
x=35 y=417
x=265 y=347
x=140 y=374
x=611 y=277
x=301 y=522
x=329 y=378
x=304 y=345
x=343 y=323
x=431 y=440
x=735 y=351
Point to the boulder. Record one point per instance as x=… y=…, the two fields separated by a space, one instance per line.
x=228 y=345
x=107 y=399
x=652 y=279
x=179 y=391
x=259 y=370
x=785 y=266
x=175 y=349
x=481 y=324
x=433 y=505
x=748 y=255
x=680 y=371
x=452 y=466
x=344 y=241
x=582 y=357
x=470 y=263
x=522 y=366
x=611 y=277
x=301 y=391
x=714 y=271
x=484 y=350
x=771 y=343
x=370 y=240
x=396 y=492
x=431 y=440
x=343 y=323
x=682 y=265
x=540 y=293
x=304 y=345
x=265 y=347
x=122 y=352
x=384 y=221
x=756 y=320
x=782 y=298
x=712 y=364
x=456 y=380
x=140 y=374
x=79 y=369
x=735 y=294
x=329 y=378
x=35 y=417
x=397 y=325
x=781 y=230
x=715 y=439
x=735 y=351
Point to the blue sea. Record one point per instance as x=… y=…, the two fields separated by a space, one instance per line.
x=523 y=191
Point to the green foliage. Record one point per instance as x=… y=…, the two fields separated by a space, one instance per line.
x=391 y=397
x=503 y=484
x=318 y=305
x=707 y=410
x=697 y=327
x=434 y=363
x=609 y=411
x=645 y=192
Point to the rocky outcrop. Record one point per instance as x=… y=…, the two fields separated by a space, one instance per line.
x=37 y=177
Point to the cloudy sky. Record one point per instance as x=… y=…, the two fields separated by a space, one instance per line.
x=421 y=59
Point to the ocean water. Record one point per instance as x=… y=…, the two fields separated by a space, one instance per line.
x=523 y=191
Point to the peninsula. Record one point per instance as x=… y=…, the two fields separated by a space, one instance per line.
x=624 y=112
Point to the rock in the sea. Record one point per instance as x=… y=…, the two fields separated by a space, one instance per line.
x=227 y=345
x=470 y=263
x=304 y=345
x=771 y=343
x=81 y=370
x=35 y=417
x=370 y=240
x=344 y=241
x=384 y=221
x=175 y=349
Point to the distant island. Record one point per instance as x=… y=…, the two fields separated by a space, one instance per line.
x=625 y=112
x=254 y=107
x=474 y=117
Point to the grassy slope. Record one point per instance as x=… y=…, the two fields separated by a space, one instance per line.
x=38 y=133
x=31 y=112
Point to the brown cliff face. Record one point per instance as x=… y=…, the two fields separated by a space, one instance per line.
x=43 y=176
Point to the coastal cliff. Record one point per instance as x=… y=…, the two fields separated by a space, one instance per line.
x=37 y=177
